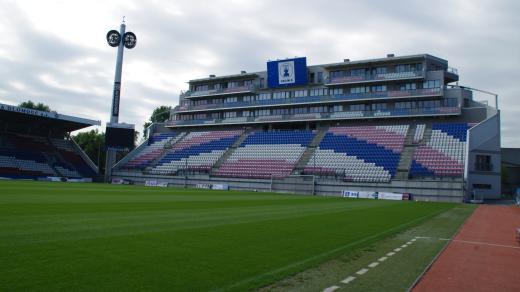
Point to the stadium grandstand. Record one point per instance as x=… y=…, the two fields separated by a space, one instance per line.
x=36 y=145
x=395 y=124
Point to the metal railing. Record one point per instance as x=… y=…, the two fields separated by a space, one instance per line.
x=323 y=98
x=247 y=88
x=443 y=110
x=373 y=77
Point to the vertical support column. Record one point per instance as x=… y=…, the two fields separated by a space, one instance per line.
x=114 y=113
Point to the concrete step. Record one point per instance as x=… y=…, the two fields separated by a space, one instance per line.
x=304 y=159
x=230 y=151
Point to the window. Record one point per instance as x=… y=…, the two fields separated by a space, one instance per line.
x=336 y=91
x=299 y=110
x=408 y=86
x=280 y=111
x=359 y=89
x=230 y=114
x=378 y=88
x=483 y=163
x=263 y=112
x=337 y=74
x=248 y=98
x=230 y=99
x=311 y=77
x=379 y=70
x=300 y=93
x=432 y=84
x=281 y=94
x=338 y=108
x=215 y=115
x=357 y=107
x=318 y=109
x=318 y=92
x=264 y=96
x=358 y=72
x=320 y=77
x=379 y=106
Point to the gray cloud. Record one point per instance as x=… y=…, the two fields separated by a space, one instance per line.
x=190 y=39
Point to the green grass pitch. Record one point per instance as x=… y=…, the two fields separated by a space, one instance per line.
x=57 y=236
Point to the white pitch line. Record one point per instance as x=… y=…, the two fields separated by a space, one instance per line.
x=423 y=237
x=404 y=245
x=330 y=289
x=362 y=271
x=397 y=249
x=348 y=280
x=382 y=259
x=409 y=242
x=413 y=239
x=373 y=265
x=390 y=254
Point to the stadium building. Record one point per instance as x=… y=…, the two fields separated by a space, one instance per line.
x=36 y=145
x=397 y=124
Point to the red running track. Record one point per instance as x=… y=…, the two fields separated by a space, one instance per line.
x=484 y=256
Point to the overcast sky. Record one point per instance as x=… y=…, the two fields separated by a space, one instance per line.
x=55 y=52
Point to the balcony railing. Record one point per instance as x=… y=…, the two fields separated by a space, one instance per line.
x=373 y=77
x=445 y=110
x=317 y=99
x=221 y=91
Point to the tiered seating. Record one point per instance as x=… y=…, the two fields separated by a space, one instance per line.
x=153 y=150
x=443 y=154
x=364 y=153
x=75 y=165
x=21 y=164
x=24 y=156
x=264 y=154
x=197 y=151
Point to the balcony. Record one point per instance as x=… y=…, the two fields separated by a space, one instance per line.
x=216 y=92
x=317 y=99
x=374 y=77
x=346 y=115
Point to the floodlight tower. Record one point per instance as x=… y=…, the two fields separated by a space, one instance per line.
x=120 y=40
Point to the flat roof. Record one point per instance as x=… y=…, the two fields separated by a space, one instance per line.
x=20 y=115
x=330 y=66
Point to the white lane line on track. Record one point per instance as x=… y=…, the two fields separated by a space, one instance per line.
x=330 y=289
x=382 y=259
x=422 y=237
x=373 y=265
x=390 y=254
x=482 y=243
x=348 y=279
x=409 y=242
x=362 y=271
x=404 y=245
x=397 y=249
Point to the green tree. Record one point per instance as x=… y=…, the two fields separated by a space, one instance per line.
x=93 y=143
x=35 y=106
x=159 y=115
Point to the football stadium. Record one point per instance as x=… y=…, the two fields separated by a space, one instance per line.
x=348 y=176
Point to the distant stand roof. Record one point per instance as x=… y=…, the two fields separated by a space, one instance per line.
x=50 y=120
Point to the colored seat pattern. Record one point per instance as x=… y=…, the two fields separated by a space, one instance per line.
x=444 y=154
x=197 y=151
x=266 y=154
x=361 y=154
x=32 y=157
x=153 y=149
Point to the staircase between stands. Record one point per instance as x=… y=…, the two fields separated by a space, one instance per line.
x=309 y=152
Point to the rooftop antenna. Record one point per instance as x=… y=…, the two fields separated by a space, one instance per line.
x=124 y=19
